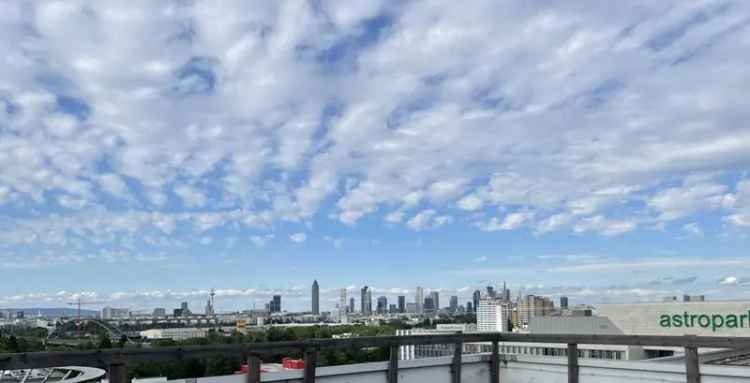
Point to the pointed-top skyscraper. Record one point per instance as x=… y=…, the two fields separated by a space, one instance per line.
x=315 y=298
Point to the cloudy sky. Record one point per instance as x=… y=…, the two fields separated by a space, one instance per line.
x=152 y=150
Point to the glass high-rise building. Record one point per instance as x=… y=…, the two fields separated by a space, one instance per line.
x=315 y=298
x=475 y=299
x=401 y=304
x=366 y=301
x=419 y=300
x=382 y=305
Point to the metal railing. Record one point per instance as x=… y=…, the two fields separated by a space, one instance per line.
x=116 y=360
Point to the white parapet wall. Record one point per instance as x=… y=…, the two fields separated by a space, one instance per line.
x=520 y=369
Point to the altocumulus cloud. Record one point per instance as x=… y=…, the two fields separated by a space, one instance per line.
x=594 y=118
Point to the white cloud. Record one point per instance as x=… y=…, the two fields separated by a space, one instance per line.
x=113 y=184
x=510 y=222
x=427 y=219
x=604 y=226
x=298 y=237
x=730 y=280
x=191 y=196
x=480 y=259
x=470 y=202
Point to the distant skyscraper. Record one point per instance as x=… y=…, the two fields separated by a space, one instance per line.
x=351 y=305
x=366 y=302
x=564 y=303
x=419 y=300
x=490 y=291
x=469 y=307
x=275 y=305
x=475 y=298
x=401 y=304
x=315 y=298
x=382 y=305
x=429 y=305
x=184 y=308
x=159 y=312
x=453 y=307
x=435 y=299
x=342 y=301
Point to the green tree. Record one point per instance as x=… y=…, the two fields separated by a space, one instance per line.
x=105 y=342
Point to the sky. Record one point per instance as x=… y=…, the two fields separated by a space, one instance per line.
x=152 y=150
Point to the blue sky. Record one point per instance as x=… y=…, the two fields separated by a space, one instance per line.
x=151 y=151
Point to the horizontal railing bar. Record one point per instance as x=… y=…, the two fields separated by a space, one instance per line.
x=133 y=355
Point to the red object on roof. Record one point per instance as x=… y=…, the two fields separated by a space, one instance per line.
x=244 y=369
x=295 y=364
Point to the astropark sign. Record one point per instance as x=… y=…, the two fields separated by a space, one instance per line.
x=714 y=322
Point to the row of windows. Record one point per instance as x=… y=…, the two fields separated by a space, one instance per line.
x=555 y=351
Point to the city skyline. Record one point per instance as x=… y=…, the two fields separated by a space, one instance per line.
x=598 y=151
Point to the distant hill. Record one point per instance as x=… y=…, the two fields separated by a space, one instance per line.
x=52 y=312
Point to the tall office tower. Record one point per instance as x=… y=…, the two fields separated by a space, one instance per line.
x=506 y=293
x=429 y=305
x=453 y=307
x=493 y=315
x=469 y=307
x=184 y=308
x=342 y=302
x=435 y=299
x=475 y=298
x=401 y=304
x=564 y=303
x=315 y=298
x=419 y=300
x=369 y=302
x=351 y=305
x=382 y=305
x=366 y=302
x=490 y=292
x=275 y=305
x=159 y=312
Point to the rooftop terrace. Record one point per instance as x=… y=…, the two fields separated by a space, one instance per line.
x=490 y=367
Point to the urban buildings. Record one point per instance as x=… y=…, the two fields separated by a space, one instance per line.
x=115 y=313
x=315 y=298
x=342 y=301
x=494 y=314
x=475 y=298
x=351 y=305
x=184 y=308
x=159 y=312
x=382 y=305
x=563 y=303
x=274 y=306
x=453 y=305
x=419 y=300
x=366 y=301
x=435 y=299
x=401 y=304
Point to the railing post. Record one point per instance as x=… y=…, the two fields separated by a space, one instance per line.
x=393 y=364
x=457 y=351
x=311 y=359
x=253 y=369
x=691 y=365
x=117 y=372
x=572 y=363
x=495 y=363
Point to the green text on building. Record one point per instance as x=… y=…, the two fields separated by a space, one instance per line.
x=712 y=321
